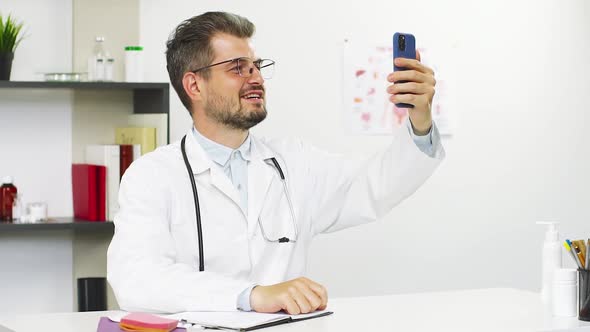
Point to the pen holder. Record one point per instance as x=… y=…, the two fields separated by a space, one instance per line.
x=92 y=294
x=584 y=294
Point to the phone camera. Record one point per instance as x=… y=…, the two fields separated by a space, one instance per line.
x=402 y=42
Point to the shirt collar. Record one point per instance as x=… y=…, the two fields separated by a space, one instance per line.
x=219 y=153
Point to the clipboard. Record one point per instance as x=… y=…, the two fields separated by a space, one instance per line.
x=225 y=320
x=274 y=320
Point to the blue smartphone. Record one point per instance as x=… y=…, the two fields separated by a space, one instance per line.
x=404 y=46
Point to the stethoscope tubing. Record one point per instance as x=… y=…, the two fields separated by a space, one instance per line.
x=198 y=209
x=197 y=206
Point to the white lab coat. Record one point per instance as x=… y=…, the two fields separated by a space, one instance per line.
x=153 y=257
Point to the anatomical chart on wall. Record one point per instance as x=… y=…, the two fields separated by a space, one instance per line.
x=367 y=108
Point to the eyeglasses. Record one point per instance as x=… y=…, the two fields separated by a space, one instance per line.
x=245 y=67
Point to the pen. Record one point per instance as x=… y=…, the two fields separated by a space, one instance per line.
x=576 y=252
x=581 y=244
x=579 y=252
x=568 y=247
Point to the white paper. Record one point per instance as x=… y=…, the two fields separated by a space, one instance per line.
x=230 y=319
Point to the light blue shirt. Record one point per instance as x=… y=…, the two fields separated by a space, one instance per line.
x=233 y=162
x=235 y=165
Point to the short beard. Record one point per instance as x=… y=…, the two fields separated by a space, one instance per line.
x=220 y=109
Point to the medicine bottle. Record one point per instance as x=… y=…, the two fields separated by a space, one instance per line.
x=109 y=70
x=7 y=200
x=98 y=61
x=564 y=302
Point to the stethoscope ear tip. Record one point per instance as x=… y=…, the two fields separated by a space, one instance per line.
x=284 y=239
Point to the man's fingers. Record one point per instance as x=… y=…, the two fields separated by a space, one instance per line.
x=411 y=76
x=413 y=64
x=410 y=87
x=320 y=291
x=289 y=305
x=313 y=299
x=416 y=100
x=301 y=300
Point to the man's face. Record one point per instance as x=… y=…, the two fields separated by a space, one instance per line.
x=228 y=98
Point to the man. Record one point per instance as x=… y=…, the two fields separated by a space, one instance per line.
x=260 y=202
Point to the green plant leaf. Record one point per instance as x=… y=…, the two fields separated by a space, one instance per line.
x=10 y=34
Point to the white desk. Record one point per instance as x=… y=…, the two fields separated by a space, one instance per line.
x=497 y=309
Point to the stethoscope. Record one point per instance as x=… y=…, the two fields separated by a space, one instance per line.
x=283 y=239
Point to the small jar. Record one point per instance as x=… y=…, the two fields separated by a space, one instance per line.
x=37 y=211
x=133 y=64
x=565 y=282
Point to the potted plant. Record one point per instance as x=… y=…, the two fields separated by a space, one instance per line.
x=10 y=37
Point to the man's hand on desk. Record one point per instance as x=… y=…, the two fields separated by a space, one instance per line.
x=297 y=296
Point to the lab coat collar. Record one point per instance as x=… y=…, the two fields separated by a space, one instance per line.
x=197 y=156
x=259 y=150
x=260 y=174
x=201 y=162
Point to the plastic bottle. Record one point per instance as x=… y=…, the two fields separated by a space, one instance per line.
x=99 y=73
x=109 y=69
x=97 y=61
x=565 y=286
x=133 y=64
x=9 y=193
x=551 y=258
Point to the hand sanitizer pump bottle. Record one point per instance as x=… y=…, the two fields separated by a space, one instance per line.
x=551 y=258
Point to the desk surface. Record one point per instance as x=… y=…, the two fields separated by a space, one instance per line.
x=496 y=309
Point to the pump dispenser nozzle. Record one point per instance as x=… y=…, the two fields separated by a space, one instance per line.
x=551 y=234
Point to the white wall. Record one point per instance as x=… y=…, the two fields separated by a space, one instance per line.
x=517 y=73
x=35 y=142
x=517 y=76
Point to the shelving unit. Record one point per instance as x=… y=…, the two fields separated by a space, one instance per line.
x=148 y=98
x=96 y=108
x=66 y=223
x=83 y=85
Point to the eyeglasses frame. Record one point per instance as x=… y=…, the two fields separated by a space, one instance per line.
x=255 y=62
